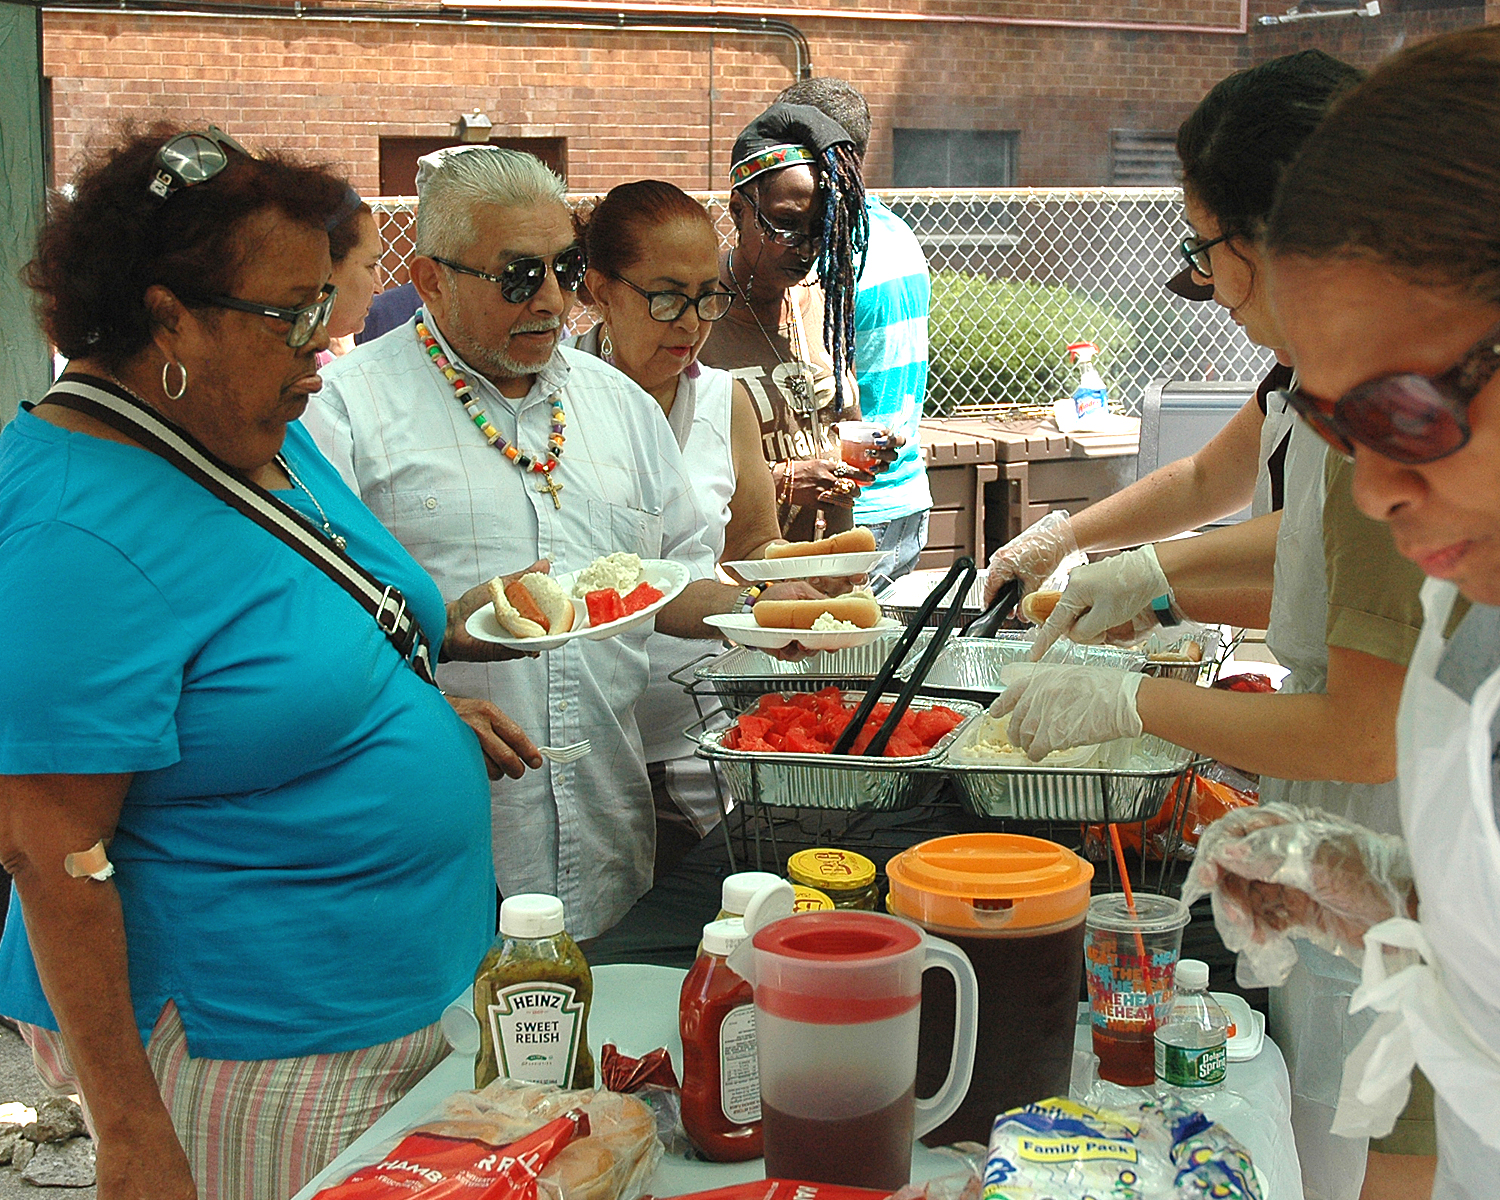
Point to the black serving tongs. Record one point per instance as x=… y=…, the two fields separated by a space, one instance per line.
x=987 y=623
x=962 y=570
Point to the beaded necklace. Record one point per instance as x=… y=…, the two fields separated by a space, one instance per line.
x=466 y=397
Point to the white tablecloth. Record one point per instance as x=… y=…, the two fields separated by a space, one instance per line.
x=635 y=1007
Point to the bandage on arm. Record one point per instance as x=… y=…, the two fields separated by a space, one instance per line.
x=92 y=863
x=77 y=939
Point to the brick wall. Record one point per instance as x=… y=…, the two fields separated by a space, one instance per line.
x=633 y=103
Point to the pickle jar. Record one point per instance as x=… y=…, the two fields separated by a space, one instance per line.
x=532 y=994
x=846 y=878
x=806 y=899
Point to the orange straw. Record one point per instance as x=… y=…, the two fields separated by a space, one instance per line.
x=1114 y=840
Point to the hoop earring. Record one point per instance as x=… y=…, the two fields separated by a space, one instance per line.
x=181 y=387
x=606 y=343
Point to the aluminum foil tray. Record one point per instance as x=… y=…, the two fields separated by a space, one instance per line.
x=844 y=782
x=1213 y=653
x=742 y=676
x=969 y=668
x=1122 y=794
x=904 y=597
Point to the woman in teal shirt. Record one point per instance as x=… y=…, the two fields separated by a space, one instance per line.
x=298 y=823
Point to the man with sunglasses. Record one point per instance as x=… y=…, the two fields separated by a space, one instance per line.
x=486 y=447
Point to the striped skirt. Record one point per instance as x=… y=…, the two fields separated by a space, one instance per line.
x=260 y=1130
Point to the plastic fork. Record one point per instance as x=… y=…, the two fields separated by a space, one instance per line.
x=565 y=754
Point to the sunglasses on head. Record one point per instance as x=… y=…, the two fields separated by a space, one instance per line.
x=522 y=278
x=1194 y=251
x=305 y=321
x=1411 y=419
x=191 y=158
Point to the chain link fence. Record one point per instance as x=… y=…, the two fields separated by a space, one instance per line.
x=1017 y=275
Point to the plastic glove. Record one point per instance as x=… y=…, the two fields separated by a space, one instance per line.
x=1279 y=872
x=1032 y=556
x=1103 y=595
x=1054 y=706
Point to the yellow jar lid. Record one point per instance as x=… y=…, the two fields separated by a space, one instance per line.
x=810 y=900
x=830 y=870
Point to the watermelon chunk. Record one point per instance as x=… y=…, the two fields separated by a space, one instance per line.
x=605 y=605
x=642 y=596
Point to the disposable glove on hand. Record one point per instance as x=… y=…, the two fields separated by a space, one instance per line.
x=1102 y=595
x=1054 y=706
x=1032 y=556
x=1279 y=872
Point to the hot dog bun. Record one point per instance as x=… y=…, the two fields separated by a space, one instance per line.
x=551 y=599
x=532 y=606
x=858 y=608
x=1036 y=607
x=854 y=541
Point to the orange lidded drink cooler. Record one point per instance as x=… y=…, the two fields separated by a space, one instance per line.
x=1015 y=905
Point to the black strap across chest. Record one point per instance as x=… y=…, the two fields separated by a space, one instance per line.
x=106 y=402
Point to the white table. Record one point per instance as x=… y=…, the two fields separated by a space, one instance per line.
x=635 y=1007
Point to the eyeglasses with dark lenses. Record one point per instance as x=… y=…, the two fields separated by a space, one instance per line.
x=1411 y=419
x=1195 y=250
x=792 y=239
x=668 y=306
x=191 y=158
x=305 y=321
x=522 y=278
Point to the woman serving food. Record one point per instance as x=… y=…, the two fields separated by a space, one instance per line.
x=234 y=797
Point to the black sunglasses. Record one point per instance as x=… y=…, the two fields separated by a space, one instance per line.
x=191 y=158
x=792 y=239
x=668 y=306
x=1411 y=419
x=522 y=278
x=304 y=321
x=1195 y=250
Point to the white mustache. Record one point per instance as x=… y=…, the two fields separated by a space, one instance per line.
x=536 y=326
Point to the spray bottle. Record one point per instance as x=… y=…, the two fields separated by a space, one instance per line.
x=1089 y=401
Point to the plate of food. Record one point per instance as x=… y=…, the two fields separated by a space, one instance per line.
x=843 y=554
x=539 y=611
x=836 y=623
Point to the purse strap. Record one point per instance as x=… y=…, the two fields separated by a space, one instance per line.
x=124 y=413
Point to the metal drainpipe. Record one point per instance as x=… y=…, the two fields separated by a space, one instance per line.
x=758 y=26
x=512 y=19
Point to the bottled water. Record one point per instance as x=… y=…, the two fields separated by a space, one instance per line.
x=1190 y=1054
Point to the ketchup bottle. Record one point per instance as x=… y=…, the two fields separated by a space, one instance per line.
x=720 y=1072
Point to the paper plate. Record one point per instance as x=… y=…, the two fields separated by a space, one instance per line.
x=808 y=566
x=741 y=629
x=668 y=577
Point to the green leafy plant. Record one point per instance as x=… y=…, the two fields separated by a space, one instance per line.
x=1002 y=341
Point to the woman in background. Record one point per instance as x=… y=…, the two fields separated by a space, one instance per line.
x=654 y=278
x=797 y=201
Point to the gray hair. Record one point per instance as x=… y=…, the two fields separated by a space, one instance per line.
x=462 y=182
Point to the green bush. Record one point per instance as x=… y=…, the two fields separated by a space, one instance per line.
x=1001 y=341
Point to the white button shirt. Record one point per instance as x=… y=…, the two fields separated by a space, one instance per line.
x=389 y=421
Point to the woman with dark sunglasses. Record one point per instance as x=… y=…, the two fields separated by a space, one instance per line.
x=654 y=278
x=797 y=201
x=229 y=800
x=1339 y=604
x=1386 y=268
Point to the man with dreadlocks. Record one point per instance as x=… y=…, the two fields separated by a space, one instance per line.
x=798 y=204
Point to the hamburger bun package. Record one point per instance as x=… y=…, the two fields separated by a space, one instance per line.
x=518 y=1141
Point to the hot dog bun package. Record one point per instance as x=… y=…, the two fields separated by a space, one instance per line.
x=585 y=1144
x=1159 y=1150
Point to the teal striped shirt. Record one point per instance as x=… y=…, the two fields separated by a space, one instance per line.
x=890 y=358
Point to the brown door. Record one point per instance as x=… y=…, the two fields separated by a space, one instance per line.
x=398 y=157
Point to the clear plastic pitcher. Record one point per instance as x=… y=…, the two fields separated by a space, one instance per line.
x=838 y=998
